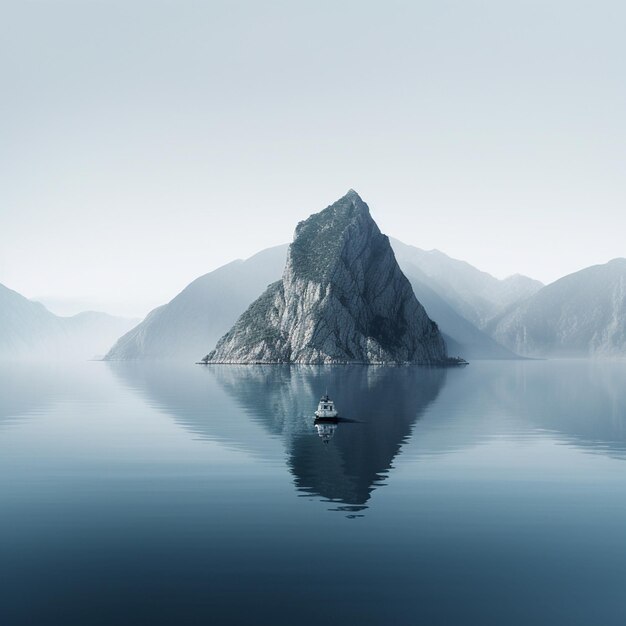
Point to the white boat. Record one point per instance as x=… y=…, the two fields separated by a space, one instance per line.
x=326 y=409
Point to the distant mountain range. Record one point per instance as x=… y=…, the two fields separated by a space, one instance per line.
x=475 y=295
x=445 y=305
x=479 y=316
x=202 y=312
x=29 y=331
x=580 y=315
x=210 y=305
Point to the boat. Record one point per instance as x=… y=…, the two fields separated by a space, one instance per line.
x=458 y=361
x=326 y=409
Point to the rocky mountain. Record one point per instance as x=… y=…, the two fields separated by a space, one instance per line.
x=29 y=331
x=201 y=313
x=475 y=295
x=582 y=314
x=207 y=308
x=342 y=298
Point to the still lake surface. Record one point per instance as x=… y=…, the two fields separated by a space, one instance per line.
x=161 y=493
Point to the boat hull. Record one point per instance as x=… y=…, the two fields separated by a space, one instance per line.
x=326 y=420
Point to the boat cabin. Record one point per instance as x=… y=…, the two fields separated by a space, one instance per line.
x=326 y=408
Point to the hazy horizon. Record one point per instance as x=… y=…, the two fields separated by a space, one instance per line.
x=146 y=144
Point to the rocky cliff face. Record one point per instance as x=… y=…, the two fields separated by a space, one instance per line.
x=342 y=298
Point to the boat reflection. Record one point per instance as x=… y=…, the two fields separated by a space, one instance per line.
x=326 y=428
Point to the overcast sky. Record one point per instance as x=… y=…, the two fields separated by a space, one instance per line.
x=145 y=143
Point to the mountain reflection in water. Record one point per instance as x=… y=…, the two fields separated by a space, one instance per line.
x=172 y=493
x=386 y=401
x=380 y=405
x=576 y=403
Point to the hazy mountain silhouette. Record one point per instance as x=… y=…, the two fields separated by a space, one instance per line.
x=477 y=296
x=29 y=331
x=580 y=315
x=462 y=337
x=200 y=314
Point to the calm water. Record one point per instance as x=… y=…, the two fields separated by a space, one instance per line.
x=180 y=494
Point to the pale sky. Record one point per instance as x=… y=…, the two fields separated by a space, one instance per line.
x=145 y=143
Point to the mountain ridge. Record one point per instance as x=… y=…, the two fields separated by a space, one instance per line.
x=178 y=333
x=28 y=330
x=582 y=314
x=202 y=312
x=475 y=294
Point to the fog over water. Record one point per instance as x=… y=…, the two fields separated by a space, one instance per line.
x=147 y=143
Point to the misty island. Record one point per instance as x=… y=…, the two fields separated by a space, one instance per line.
x=342 y=299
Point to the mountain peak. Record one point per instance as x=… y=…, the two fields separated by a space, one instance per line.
x=319 y=240
x=352 y=194
x=621 y=261
x=349 y=205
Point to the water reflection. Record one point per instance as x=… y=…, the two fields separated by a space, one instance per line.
x=582 y=403
x=25 y=389
x=380 y=405
x=31 y=389
x=326 y=429
x=386 y=401
x=268 y=411
x=129 y=500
